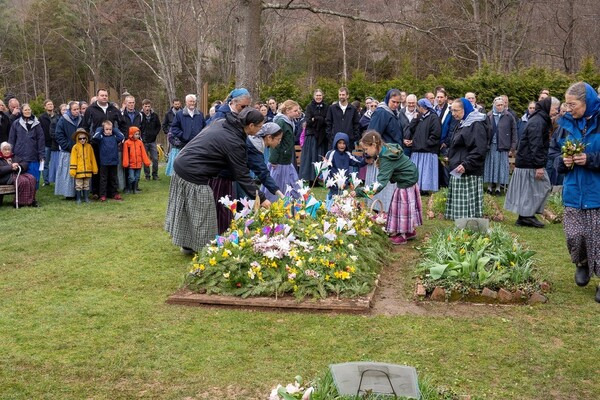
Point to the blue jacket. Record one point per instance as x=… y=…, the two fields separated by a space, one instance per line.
x=185 y=126
x=388 y=124
x=27 y=142
x=341 y=160
x=108 y=146
x=581 y=186
x=220 y=113
x=65 y=128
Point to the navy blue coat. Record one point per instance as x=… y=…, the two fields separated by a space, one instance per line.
x=108 y=146
x=185 y=127
x=387 y=124
x=65 y=128
x=28 y=144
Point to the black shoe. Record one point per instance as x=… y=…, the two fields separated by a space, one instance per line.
x=497 y=193
x=490 y=192
x=598 y=294
x=535 y=222
x=187 y=251
x=582 y=275
x=529 y=221
x=34 y=204
x=155 y=178
x=147 y=178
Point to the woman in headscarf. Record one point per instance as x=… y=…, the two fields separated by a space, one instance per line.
x=65 y=128
x=385 y=120
x=27 y=140
x=13 y=170
x=281 y=159
x=191 y=211
x=581 y=186
x=504 y=141
x=268 y=137
x=530 y=186
x=424 y=134
x=466 y=158
x=315 y=139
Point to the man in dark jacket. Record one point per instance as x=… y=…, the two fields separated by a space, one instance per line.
x=150 y=129
x=98 y=112
x=343 y=117
x=4 y=123
x=170 y=115
x=48 y=119
x=130 y=116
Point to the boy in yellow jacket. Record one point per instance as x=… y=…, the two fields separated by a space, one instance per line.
x=83 y=164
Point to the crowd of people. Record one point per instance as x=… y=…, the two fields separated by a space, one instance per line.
x=408 y=146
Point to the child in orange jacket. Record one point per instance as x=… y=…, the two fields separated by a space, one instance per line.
x=134 y=155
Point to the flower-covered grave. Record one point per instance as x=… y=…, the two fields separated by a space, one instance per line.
x=295 y=247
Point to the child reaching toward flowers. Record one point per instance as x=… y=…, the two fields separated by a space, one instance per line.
x=341 y=159
x=394 y=166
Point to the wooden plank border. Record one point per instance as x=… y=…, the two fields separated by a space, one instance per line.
x=342 y=305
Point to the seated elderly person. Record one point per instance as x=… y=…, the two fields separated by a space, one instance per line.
x=10 y=174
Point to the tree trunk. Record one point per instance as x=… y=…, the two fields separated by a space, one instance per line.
x=568 y=47
x=247 y=58
x=345 y=71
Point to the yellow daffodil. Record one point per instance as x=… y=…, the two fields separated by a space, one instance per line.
x=212 y=261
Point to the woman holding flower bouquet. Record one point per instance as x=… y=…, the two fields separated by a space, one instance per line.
x=395 y=167
x=191 y=212
x=581 y=186
x=530 y=186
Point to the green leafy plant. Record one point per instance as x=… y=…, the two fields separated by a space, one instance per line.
x=459 y=258
x=556 y=207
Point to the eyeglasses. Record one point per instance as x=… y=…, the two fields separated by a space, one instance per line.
x=82 y=138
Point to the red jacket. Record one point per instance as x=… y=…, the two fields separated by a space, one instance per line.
x=134 y=153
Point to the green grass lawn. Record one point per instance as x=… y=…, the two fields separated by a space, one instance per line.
x=83 y=315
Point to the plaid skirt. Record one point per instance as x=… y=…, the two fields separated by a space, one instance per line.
x=581 y=230
x=191 y=214
x=25 y=185
x=465 y=197
x=405 y=211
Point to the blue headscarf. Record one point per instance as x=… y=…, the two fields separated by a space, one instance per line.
x=237 y=93
x=592 y=106
x=387 y=96
x=425 y=103
x=592 y=101
x=467 y=106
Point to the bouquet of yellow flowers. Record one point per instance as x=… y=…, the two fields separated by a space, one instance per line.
x=572 y=148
